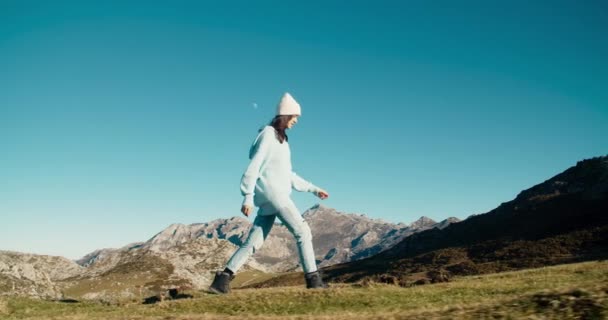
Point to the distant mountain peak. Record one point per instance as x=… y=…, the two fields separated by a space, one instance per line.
x=447 y=222
x=452 y=219
x=422 y=222
x=317 y=206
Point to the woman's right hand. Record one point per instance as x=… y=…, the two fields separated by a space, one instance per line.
x=322 y=194
x=246 y=210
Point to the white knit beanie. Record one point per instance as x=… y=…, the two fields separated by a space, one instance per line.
x=288 y=105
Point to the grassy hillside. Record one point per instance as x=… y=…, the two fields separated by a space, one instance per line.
x=571 y=291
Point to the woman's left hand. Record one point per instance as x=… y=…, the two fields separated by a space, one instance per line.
x=322 y=194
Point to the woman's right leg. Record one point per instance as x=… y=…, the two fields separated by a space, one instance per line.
x=289 y=214
x=257 y=234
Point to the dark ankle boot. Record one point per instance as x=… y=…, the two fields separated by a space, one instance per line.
x=221 y=283
x=314 y=280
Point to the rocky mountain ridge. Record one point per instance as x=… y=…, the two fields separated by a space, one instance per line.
x=185 y=255
x=34 y=275
x=348 y=237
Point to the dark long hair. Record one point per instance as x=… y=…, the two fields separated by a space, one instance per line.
x=279 y=123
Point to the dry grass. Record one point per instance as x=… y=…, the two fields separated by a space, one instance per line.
x=562 y=292
x=4 y=308
x=251 y=277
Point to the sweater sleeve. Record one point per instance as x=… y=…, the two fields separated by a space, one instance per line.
x=258 y=156
x=299 y=184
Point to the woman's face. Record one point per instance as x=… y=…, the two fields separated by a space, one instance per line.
x=292 y=122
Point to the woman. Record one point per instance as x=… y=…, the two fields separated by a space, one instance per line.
x=267 y=184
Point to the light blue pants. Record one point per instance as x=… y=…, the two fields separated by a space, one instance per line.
x=290 y=216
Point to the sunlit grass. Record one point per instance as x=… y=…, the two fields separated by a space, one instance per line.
x=504 y=295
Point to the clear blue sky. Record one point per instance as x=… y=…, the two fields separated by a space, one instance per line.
x=118 y=118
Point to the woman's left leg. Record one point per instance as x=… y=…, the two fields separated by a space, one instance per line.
x=257 y=234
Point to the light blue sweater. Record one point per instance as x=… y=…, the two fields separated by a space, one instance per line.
x=269 y=176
